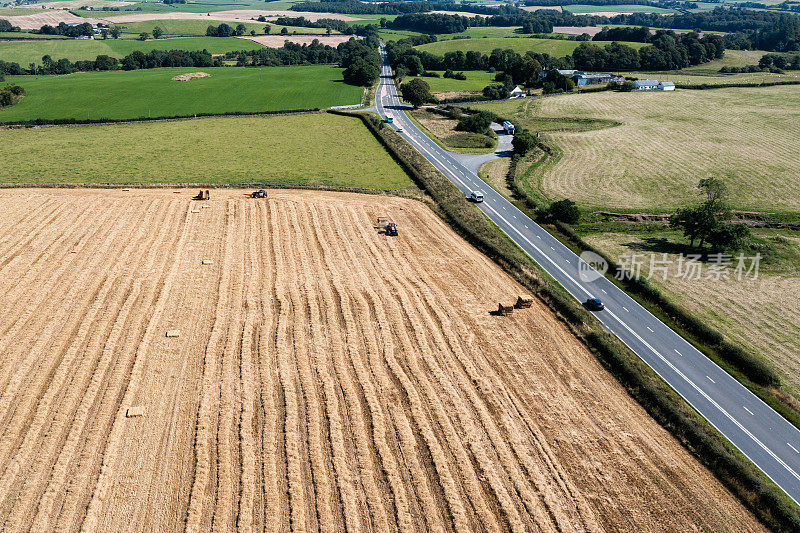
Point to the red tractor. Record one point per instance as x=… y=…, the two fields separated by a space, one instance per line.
x=389 y=228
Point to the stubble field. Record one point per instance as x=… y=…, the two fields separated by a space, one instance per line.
x=325 y=378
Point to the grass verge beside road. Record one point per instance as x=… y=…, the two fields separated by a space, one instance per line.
x=153 y=93
x=315 y=149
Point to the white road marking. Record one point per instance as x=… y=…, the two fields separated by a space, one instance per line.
x=711 y=380
x=792 y=447
x=567 y=260
x=651 y=329
x=748 y=410
x=677 y=352
x=604 y=291
x=626 y=309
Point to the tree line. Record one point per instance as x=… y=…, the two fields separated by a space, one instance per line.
x=666 y=51
x=762 y=30
x=354 y=7
x=358 y=57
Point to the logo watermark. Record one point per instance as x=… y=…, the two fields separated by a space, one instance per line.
x=716 y=267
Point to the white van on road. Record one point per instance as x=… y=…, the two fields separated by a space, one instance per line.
x=476 y=196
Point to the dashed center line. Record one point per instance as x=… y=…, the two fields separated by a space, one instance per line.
x=677 y=352
x=626 y=309
x=651 y=329
x=748 y=410
x=711 y=380
x=792 y=447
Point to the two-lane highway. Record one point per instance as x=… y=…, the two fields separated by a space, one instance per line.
x=764 y=436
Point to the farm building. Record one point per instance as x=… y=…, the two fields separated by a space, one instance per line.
x=591 y=78
x=517 y=93
x=646 y=85
x=666 y=86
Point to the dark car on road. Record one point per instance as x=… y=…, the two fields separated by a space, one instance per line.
x=594 y=304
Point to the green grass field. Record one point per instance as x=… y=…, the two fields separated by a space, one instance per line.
x=480 y=32
x=747 y=137
x=74 y=50
x=17 y=11
x=476 y=81
x=143 y=93
x=23 y=35
x=554 y=47
x=300 y=149
x=621 y=8
x=198 y=28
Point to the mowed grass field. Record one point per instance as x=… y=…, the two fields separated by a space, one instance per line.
x=316 y=149
x=153 y=92
x=25 y=52
x=762 y=315
x=669 y=141
x=325 y=378
x=554 y=47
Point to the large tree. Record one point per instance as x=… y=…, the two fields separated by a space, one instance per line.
x=417 y=92
x=711 y=220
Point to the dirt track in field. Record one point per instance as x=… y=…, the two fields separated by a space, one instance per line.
x=325 y=378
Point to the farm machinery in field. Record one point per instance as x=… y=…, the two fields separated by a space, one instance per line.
x=388 y=227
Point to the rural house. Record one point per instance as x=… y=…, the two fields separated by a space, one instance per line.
x=666 y=86
x=517 y=93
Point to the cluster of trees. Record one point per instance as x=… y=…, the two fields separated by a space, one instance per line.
x=634 y=34
x=360 y=61
x=778 y=61
x=7 y=27
x=762 y=30
x=454 y=75
x=667 y=51
x=10 y=95
x=81 y=30
x=476 y=122
x=710 y=221
x=224 y=30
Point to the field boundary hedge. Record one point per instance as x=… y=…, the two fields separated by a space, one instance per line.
x=756 y=491
x=166 y=118
x=704 y=86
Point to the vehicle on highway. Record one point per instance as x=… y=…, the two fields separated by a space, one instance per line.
x=399 y=129
x=594 y=304
x=476 y=196
x=389 y=119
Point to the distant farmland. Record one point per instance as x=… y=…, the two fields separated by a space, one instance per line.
x=143 y=93
x=667 y=142
x=25 y=52
x=554 y=47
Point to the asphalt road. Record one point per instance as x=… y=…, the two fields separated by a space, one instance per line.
x=760 y=433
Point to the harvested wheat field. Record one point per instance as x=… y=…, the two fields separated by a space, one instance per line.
x=316 y=376
x=51 y=17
